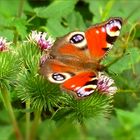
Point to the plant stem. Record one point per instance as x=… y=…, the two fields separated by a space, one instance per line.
x=84 y=130
x=114 y=61
x=33 y=17
x=9 y=108
x=19 y=14
x=20 y=8
x=28 y=120
x=35 y=125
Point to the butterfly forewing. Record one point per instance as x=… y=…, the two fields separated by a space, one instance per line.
x=100 y=38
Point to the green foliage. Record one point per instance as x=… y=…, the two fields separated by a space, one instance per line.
x=125 y=62
x=66 y=130
x=125 y=126
x=79 y=110
x=30 y=55
x=51 y=10
x=128 y=124
x=31 y=86
x=42 y=110
x=41 y=93
x=10 y=65
x=3 y=132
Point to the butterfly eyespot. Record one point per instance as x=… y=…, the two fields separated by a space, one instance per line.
x=113 y=27
x=78 y=39
x=58 y=77
x=86 y=90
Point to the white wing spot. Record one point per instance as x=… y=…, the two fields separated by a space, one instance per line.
x=72 y=86
x=109 y=45
x=103 y=29
x=112 y=24
x=97 y=31
x=82 y=91
x=77 y=88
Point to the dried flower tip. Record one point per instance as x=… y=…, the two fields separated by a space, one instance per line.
x=43 y=59
x=106 y=85
x=40 y=39
x=3 y=44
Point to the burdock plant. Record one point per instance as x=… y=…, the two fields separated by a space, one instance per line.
x=43 y=100
x=10 y=67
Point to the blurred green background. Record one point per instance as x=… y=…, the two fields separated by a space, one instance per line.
x=58 y=17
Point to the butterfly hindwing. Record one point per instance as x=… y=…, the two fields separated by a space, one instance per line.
x=56 y=71
x=82 y=84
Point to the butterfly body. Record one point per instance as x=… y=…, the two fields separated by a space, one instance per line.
x=75 y=57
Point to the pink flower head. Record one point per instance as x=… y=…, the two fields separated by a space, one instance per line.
x=40 y=39
x=3 y=44
x=106 y=85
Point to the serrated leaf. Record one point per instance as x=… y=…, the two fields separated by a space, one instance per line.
x=58 y=8
x=131 y=57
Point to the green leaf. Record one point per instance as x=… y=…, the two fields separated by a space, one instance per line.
x=55 y=27
x=126 y=9
x=131 y=57
x=75 y=21
x=57 y=8
x=126 y=118
x=61 y=131
x=100 y=9
x=104 y=9
x=94 y=128
x=129 y=124
x=7 y=34
x=46 y=128
x=20 y=25
x=5 y=132
x=5 y=7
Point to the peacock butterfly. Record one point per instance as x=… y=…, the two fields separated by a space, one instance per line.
x=74 y=60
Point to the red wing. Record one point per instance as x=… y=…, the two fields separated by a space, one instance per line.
x=100 y=38
x=66 y=49
x=56 y=71
x=76 y=53
x=82 y=84
x=89 y=45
